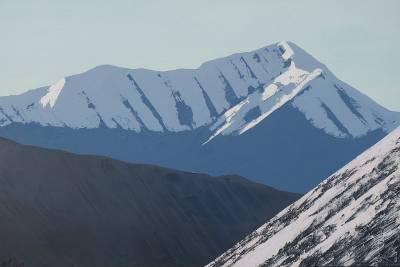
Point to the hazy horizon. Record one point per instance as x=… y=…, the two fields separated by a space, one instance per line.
x=44 y=40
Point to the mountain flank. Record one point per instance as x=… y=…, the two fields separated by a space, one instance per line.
x=350 y=219
x=61 y=209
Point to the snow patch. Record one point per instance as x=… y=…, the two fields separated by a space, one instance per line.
x=53 y=92
x=286 y=49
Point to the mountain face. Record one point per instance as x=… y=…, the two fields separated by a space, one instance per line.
x=351 y=218
x=61 y=209
x=271 y=106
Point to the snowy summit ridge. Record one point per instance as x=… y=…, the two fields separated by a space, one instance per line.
x=229 y=95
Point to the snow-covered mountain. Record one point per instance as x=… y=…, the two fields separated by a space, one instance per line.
x=144 y=99
x=232 y=94
x=271 y=106
x=353 y=217
x=325 y=101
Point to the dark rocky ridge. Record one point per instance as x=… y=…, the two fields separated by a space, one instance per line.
x=61 y=209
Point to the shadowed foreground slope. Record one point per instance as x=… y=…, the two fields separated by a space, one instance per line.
x=61 y=209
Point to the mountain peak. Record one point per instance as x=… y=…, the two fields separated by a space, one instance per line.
x=328 y=103
x=255 y=83
x=286 y=50
x=257 y=106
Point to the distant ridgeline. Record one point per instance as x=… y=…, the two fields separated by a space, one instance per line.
x=275 y=115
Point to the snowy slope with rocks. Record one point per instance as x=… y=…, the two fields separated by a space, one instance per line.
x=326 y=102
x=353 y=217
x=230 y=95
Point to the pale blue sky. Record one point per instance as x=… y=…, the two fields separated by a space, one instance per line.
x=44 y=40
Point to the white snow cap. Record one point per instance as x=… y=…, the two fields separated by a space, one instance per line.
x=229 y=95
